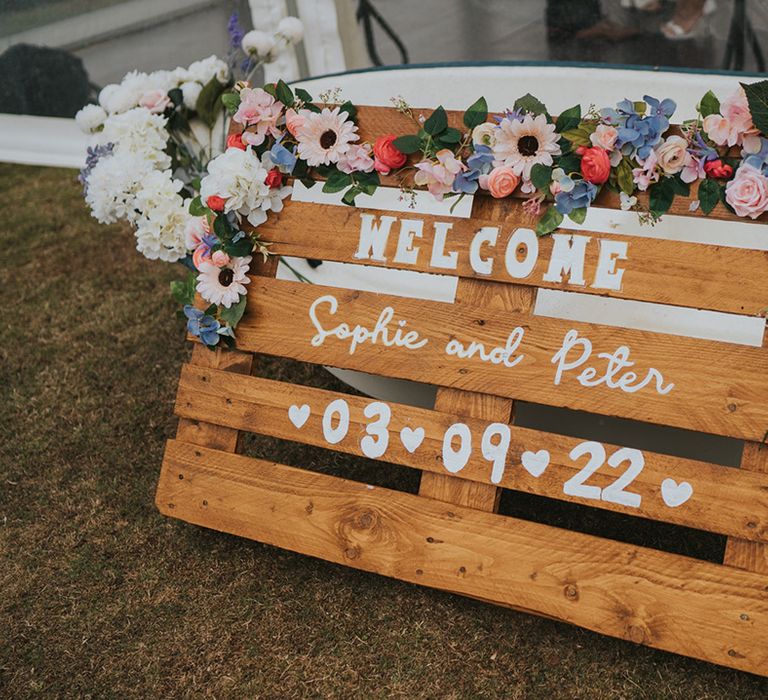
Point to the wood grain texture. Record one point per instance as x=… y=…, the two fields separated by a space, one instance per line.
x=666 y=601
x=666 y=272
x=725 y=500
x=719 y=388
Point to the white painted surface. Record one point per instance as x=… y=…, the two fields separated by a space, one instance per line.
x=41 y=141
x=646 y=316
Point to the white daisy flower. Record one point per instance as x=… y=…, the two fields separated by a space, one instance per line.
x=324 y=137
x=521 y=144
x=224 y=285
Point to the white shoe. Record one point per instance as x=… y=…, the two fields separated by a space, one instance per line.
x=672 y=30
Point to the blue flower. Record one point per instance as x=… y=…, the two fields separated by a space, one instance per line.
x=466 y=181
x=94 y=154
x=282 y=157
x=483 y=156
x=580 y=197
x=201 y=325
x=759 y=159
x=638 y=134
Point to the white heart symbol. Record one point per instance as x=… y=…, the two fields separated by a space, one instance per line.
x=298 y=415
x=535 y=462
x=411 y=438
x=675 y=494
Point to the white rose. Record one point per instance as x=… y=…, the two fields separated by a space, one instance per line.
x=207 y=69
x=484 y=134
x=291 y=29
x=258 y=43
x=190 y=92
x=672 y=154
x=90 y=118
x=106 y=94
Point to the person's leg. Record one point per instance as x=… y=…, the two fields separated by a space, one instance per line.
x=688 y=14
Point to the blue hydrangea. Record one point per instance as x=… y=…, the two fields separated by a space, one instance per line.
x=282 y=157
x=479 y=163
x=201 y=325
x=580 y=196
x=638 y=134
x=758 y=160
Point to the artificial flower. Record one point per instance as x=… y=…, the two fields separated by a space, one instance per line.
x=293 y=120
x=626 y=201
x=386 y=155
x=201 y=325
x=502 y=181
x=733 y=126
x=236 y=141
x=274 y=178
x=604 y=136
x=671 y=154
x=90 y=118
x=190 y=91
x=356 y=160
x=747 y=193
x=224 y=285
x=647 y=173
x=521 y=144
x=215 y=203
x=156 y=101
x=325 y=136
x=220 y=258
x=718 y=170
x=258 y=112
x=484 y=134
x=259 y=44
x=438 y=175
x=281 y=157
x=291 y=29
x=580 y=196
x=207 y=69
x=637 y=133
x=595 y=164
x=204 y=250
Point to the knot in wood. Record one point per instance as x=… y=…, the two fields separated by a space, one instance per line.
x=636 y=633
x=365 y=520
x=571 y=591
x=352 y=552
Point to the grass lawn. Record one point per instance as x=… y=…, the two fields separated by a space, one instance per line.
x=102 y=597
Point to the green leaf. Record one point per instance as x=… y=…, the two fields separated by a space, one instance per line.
x=234 y=313
x=303 y=95
x=570 y=162
x=222 y=228
x=307 y=182
x=176 y=96
x=437 y=122
x=709 y=195
x=680 y=187
x=529 y=103
x=578 y=215
x=337 y=181
x=476 y=113
x=197 y=208
x=541 y=176
x=231 y=100
x=239 y=248
x=662 y=194
x=284 y=93
x=709 y=104
x=549 y=222
x=579 y=136
x=450 y=136
x=407 y=144
x=569 y=119
x=350 y=109
x=271 y=89
x=301 y=168
x=367 y=182
x=183 y=291
x=624 y=177
x=757 y=96
x=209 y=101
x=349 y=196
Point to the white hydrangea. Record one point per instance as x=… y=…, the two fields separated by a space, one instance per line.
x=190 y=91
x=207 y=69
x=291 y=29
x=90 y=118
x=140 y=132
x=239 y=177
x=161 y=226
x=113 y=184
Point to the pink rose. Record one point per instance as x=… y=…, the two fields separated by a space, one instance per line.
x=438 y=175
x=293 y=121
x=356 y=160
x=747 y=193
x=502 y=181
x=671 y=154
x=220 y=258
x=595 y=165
x=155 y=101
x=387 y=155
x=604 y=136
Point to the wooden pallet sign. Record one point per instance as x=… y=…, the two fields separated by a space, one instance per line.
x=488 y=347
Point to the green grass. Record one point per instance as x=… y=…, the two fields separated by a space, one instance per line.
x=102 y=597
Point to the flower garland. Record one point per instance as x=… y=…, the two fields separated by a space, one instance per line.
x=155 y=162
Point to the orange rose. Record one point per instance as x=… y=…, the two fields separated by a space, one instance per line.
x=386 y=156
x=502 y=181
x=595 y=165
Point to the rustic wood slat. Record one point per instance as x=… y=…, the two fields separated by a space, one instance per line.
x=718 y=388
x=375 y=121
x=666 y=601
x=661 y=271
x=725 y=500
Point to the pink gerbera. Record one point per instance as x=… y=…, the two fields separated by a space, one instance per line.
x=324 y=137
x=520 y=144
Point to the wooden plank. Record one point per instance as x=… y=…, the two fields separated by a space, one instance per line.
x=660 y=271
x=724 y=500
x=717 y=388
x=666 y=601
x=439 y=485
x=376 y=121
